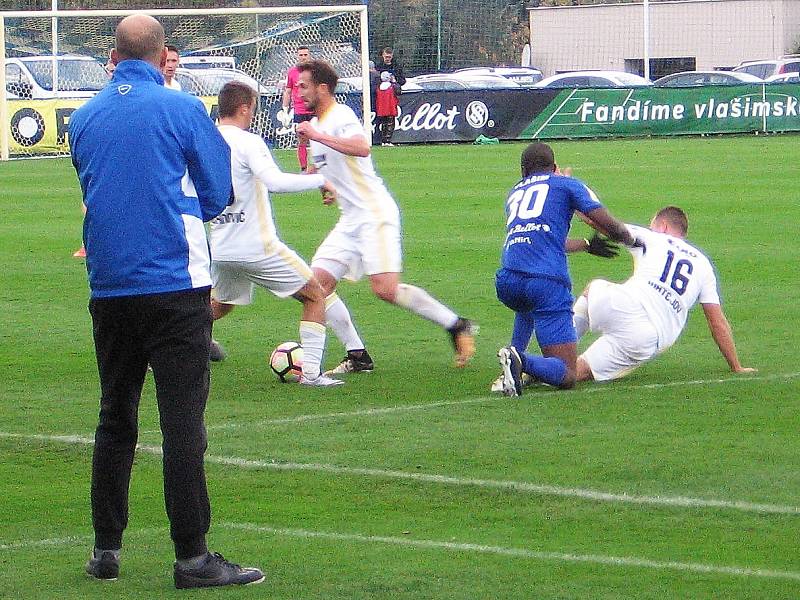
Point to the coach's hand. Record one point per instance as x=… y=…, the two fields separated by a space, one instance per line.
x=602 y=247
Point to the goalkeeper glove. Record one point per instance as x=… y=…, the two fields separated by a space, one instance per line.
x=639 y=243
x=602 y=247
x=284 y=117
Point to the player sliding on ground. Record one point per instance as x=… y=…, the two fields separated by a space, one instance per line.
x=641 y=318
x=533 y=280
x=245 y=248
x=366 y=240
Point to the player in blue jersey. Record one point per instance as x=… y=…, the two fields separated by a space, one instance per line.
x=533 y=280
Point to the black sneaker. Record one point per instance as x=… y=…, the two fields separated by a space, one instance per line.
x=216 y=571
x=216 y=353
x=462 y=335
x=512 y=370
x=104 y=567
x=355 y=362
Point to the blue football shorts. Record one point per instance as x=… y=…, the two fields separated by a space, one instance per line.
x=545 y=301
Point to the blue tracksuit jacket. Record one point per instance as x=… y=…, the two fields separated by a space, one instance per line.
x=152 y=167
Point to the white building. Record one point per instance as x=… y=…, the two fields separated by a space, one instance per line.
x=684 y=35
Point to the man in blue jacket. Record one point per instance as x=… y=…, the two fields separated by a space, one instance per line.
x=152 y=168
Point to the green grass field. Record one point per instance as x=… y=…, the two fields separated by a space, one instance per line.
x=680 y=481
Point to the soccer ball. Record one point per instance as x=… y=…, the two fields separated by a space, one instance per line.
x=286 y=361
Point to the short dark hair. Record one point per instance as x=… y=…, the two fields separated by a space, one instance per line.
x=387 y=50
x=321 y=72
x=536 y=158
x=675 y=217
x=233 y=95
x=303 y=48
x=172 y=48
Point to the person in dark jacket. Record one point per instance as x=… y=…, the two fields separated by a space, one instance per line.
x=386 y=62
x=152 y=167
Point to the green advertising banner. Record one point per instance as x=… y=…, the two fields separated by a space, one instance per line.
x=578 y=113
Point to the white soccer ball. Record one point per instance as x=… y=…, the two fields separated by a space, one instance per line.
x=286 y=361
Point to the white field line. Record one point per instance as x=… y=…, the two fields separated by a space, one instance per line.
x=619 y=561
x=511 y=486
x=592 y=389
x=85 y=540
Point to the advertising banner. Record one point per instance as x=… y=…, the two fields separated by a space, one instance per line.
x=579 y=113
x=39 y=127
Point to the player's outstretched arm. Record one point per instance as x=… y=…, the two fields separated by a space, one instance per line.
x=264 y=167
x=601 y=220
x=597 y=245
x=723 y=336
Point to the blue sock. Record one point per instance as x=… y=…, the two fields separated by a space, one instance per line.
x=523 y=331
x=549 y=370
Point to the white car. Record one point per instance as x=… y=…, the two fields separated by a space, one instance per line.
x=696 y=78
x=593 y=79
x=793 y=77
x=208 y=62
x=764 y=69
x=209 y=82
x=457 y=81
x=31 y=77
x=522 y=76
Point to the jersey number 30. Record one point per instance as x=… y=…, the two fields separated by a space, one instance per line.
x=528 y=203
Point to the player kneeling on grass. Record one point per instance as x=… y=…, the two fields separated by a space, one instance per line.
x=597 y=245
x=245 y=247
x=533 y=280
x=641 y=318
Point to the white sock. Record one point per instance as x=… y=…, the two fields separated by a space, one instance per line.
x=580 y=316
x=422 y=303
x=312 y=339
x=338 y=318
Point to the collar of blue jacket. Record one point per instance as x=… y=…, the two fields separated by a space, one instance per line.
x=137 y=70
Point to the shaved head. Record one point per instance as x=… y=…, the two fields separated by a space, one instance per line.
x=140 y=37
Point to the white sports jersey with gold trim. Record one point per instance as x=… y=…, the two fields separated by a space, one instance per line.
x=361 y=194
x=668 y=279
x=245 y=231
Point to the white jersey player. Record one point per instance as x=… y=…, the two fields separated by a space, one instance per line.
x=366 y=240
x=245 y=247
x=642 y=317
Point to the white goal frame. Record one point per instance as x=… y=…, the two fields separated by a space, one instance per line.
x=55 y=15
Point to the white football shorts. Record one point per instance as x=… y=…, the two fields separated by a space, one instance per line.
x=283 y=274
x=362 y=248
x=628 y=337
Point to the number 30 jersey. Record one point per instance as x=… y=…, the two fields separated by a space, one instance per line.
x=538 y=214
x=668 y=279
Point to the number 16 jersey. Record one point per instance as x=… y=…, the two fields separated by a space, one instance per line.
x=668 y=279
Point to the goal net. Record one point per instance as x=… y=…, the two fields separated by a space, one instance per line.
x=54 y=62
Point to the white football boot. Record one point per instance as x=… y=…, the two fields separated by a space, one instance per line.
x=320 y=381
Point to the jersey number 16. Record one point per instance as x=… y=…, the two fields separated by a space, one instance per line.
x=680 y=274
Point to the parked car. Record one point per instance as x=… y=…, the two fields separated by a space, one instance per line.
x=767 y=68
x=207 y=62
x=31 y=77
x=793 y=77
x=457 y=81
x=593 y=79
x=209 y=82
x=522 y=76
x=696 y=78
